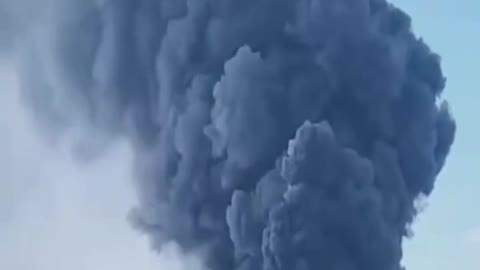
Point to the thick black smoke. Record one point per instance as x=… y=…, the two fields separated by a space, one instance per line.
x=271 y=134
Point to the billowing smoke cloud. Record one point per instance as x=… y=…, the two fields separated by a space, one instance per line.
x=269 y=134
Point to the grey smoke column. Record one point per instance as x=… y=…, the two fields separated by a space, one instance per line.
x=270 y=134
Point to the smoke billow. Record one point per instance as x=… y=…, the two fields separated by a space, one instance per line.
x=269 y=134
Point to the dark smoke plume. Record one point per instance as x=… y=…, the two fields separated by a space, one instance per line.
x=271 y=134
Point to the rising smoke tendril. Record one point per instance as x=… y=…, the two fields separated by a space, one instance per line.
x=270 y=134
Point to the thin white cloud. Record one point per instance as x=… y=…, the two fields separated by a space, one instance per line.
x=472 y=237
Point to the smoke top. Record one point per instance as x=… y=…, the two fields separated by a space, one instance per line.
x=267 y=134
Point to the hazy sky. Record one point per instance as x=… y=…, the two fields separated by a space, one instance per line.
x=56 y=214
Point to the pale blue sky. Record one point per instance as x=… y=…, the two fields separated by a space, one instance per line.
x=447 y=234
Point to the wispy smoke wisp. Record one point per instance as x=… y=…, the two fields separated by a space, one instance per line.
x=57 y=213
